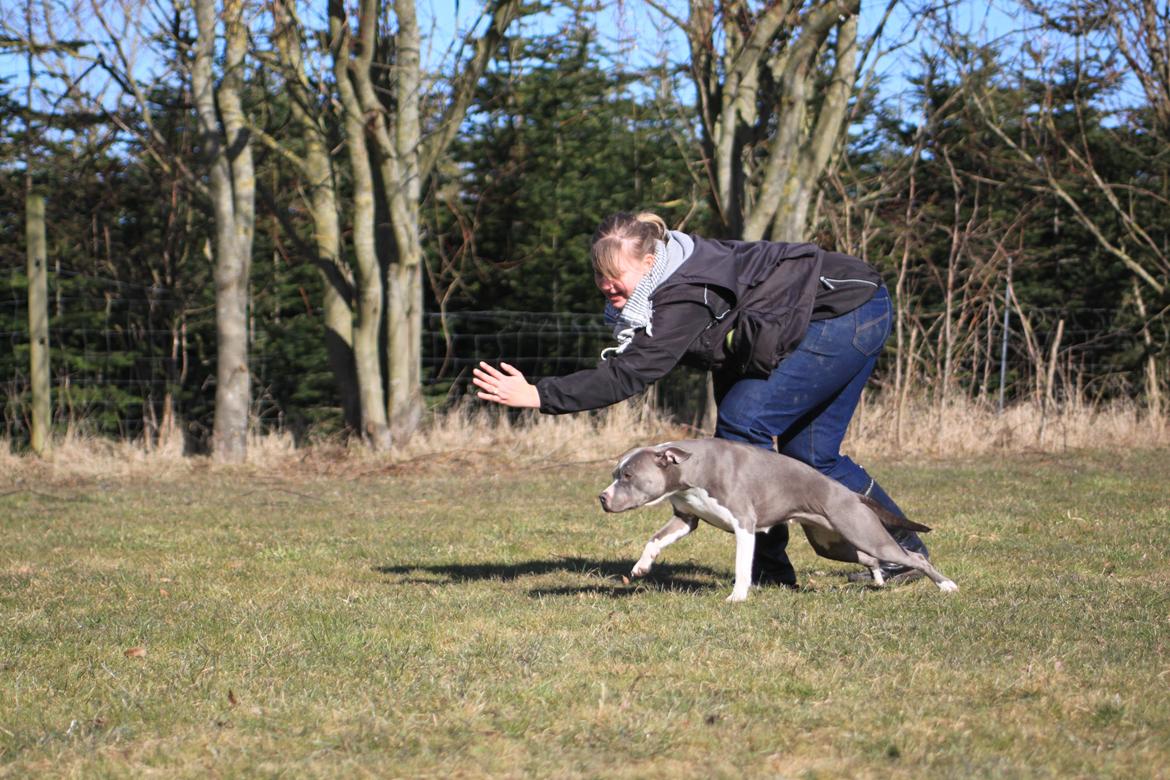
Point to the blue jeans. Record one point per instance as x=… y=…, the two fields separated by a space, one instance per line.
x=805 y=405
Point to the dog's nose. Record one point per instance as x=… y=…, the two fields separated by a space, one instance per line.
x=604 y=499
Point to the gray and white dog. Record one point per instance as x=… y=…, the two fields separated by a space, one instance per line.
x=745 y=489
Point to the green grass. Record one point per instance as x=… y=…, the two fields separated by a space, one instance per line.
x=477 y=624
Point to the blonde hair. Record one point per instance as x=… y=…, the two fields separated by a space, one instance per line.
x=622 y=237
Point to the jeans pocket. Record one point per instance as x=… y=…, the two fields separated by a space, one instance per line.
x=870 y=336
x=820 y=340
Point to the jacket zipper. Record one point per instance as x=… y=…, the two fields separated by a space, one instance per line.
x=830 y=282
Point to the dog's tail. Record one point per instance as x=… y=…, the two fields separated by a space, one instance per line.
x=891 y=520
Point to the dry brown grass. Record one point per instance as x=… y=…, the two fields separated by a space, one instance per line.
x=471 y=434
x=964 y=427
x=475 y=436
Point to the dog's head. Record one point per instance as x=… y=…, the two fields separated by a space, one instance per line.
x=644 y=476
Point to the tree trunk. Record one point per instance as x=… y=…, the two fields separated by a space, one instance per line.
x=338 y=291
x=820 y=143
x=1153 y=384
x=401 y=160
x=404 y=156
x=404 y=346
x=318 y=171
x=232 y=190
x=375 y=429
x=765 y=152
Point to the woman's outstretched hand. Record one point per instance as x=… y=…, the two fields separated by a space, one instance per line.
x=508 y=387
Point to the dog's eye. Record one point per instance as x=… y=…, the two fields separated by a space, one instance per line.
x=625 y=475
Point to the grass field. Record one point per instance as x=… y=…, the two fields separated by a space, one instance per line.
x=472 y=622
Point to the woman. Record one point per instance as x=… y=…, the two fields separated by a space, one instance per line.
x=791 y=333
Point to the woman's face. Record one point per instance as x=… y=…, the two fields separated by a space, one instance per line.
x=617 y=291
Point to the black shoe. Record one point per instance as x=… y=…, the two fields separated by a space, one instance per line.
x=893 y=574
x=770 y=564
x=779 y=579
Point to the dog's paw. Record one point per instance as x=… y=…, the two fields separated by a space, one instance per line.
x=737 y=596
x=948 y=587
x=640 y=569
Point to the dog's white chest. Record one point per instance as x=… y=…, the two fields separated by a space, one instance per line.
x=698 y=502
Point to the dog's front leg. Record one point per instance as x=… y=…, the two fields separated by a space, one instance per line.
x=676 y=528
x=745 y=549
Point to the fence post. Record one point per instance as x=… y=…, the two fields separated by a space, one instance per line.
x=38 y=321
x=1007 y=306
x=1153 y=389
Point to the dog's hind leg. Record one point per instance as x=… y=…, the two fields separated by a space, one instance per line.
x=889 y=550
x=676 y=528
x=874 y=566
x=859 y=526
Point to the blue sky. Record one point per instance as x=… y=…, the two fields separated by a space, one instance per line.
x=631 y=27
x=642 y=35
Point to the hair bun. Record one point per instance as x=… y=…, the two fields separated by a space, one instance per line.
x=653 y=219
x=624 y=236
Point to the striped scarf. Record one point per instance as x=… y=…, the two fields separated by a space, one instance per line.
x=638 y=311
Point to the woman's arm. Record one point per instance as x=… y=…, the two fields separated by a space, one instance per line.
x=646 y=360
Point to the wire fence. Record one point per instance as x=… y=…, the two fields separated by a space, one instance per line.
x=537 y=343
x=125 y=355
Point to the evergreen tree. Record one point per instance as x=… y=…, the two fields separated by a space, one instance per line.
x=561 y=139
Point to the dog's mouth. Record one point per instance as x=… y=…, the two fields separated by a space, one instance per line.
x=611 y=504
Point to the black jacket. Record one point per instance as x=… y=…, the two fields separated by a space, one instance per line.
x=734 y=307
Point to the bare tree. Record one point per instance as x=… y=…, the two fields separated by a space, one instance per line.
x=1060 y=158
x=1141 y=31
x=227 y=149
x=392 y=153
x=311 y=120
x=395 y=121
x=375 y=426
x=773 y=86
x=1058 y=140
x=226 y=179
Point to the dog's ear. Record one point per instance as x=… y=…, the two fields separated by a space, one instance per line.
x=671 y=456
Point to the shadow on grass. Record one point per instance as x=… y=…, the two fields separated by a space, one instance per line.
x=686 y=577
